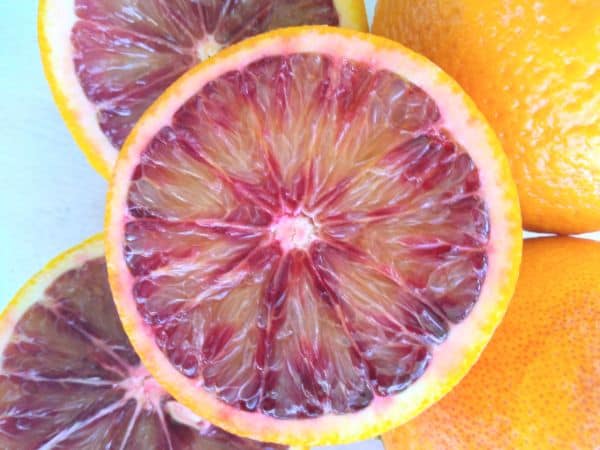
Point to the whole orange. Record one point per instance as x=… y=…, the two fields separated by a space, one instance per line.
x=536 y=384
x=533 y=68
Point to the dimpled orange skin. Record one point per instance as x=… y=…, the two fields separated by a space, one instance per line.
x=536 y=384
x=533 y=68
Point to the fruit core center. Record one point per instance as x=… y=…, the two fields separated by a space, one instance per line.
x=207 y=47
x=294 y=232
x=143 y=388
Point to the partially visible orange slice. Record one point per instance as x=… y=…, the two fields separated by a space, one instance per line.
x=69 y=378
x=312 y=236
x=107 y=60
x=536 y=384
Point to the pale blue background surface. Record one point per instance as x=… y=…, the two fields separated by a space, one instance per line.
x=50 y=198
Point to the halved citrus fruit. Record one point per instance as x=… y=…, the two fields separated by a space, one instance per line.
x=107 y=60
x=70 y=379
x=536 y=384
x=312 y=236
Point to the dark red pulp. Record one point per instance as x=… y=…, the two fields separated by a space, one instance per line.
x=304 y=234
x=127 y=52
x=69 y=379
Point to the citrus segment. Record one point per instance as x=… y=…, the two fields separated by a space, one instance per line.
x=534 y=385
x=337 y=232
x=215 y=160
x=108 y=60
x=70 y=379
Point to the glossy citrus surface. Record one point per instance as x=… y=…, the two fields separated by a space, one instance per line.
x=533 y=68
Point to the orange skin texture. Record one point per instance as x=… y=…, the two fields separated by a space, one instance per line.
x=535 y=386
x=533 y=68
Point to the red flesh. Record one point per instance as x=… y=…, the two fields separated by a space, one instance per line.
x=127 y=52
x=304 y=234
x=70 y=379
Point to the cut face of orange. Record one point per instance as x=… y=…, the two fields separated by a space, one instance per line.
x=312 y=236
x=108 y=60
x=70 y=379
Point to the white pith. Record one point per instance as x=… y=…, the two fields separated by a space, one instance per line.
x=144 y=389
x=467 y=338
x=294 y=232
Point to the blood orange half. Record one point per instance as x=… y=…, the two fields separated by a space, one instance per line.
x=70 y=379
x=312 y=236
x=107 y=60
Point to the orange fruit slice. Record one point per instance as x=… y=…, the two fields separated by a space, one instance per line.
x=107 y=60
x=70 y=379
x=535 y=386
x=532 y=69
x=311 y=236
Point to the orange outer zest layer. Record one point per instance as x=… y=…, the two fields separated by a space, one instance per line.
x=533 y=67
x=101 y=155
x=535 y=386
x=470 y=337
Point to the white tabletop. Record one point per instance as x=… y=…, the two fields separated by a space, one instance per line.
x=50 y=198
